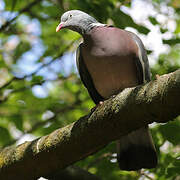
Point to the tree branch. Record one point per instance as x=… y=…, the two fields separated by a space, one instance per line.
x=156 y=101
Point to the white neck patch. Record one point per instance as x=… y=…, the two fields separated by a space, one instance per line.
x=98 y=24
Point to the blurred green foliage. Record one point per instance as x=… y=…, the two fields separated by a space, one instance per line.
x=41 y=91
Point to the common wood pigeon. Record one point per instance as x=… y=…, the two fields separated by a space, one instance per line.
x=109 y=60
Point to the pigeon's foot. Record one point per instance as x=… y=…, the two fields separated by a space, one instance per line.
x=157 y=76
x=97 y=105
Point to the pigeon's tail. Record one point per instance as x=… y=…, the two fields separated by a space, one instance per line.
x=136 y=151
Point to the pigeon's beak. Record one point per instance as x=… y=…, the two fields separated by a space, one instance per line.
x=59 y=26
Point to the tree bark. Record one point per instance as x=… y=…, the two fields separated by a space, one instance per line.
x=156 y=101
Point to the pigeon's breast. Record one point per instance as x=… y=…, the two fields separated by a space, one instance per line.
x=109 y=57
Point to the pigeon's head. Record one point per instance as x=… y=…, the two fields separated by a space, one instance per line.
x=77 y=21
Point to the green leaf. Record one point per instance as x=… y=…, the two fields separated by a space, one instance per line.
x=173 y=169
x=5 y=136
x=18 y=121
x=153 y=20
x=172 y=41
x=22 y=47
x=37 y=79
x=15 y=5
x=163 y=30
x=177 y=27
x=170 y=131
x=123 y=20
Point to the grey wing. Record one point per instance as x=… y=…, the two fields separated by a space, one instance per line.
x=143 y=69
x=136 y=150
x=86 y=77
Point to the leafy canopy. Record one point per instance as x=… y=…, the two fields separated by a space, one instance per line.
x=41 y=91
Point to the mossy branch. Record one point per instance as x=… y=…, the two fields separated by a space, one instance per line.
x=156 y=101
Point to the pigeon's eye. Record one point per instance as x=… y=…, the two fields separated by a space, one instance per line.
x=70 y=16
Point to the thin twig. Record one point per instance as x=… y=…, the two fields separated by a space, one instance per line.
x=142 y=173
x=97 y=160
x=38 y=69
x=25 y=9
x=8 y=83
x=21 y=89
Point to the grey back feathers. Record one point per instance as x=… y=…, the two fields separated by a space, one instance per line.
x=79 y=21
